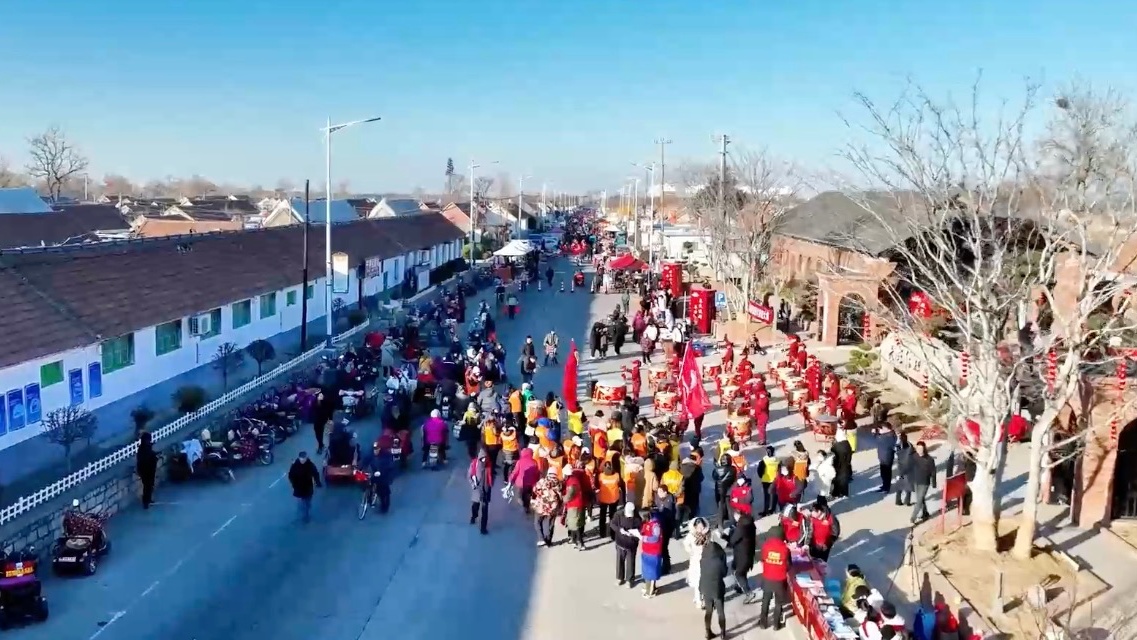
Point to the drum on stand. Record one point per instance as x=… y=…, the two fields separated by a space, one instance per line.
x=739 y=427
x=665 y=402
x=729 y=393
x=610 y=392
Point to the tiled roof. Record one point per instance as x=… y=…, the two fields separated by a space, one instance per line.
x=161 y=227
x=342 y=211
x=362 y=206
x=230 y=205
x=66 y=297
x=403 y=206
x=458 y=213
x=22 y=200
x=68 y=224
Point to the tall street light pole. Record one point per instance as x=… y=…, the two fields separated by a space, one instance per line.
x=520 y=192
x=649 y=174
x=328 y=131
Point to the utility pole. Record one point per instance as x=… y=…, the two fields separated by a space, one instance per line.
x=662 y=142
x=724 y=140
x=636 y=214
x=304 y=275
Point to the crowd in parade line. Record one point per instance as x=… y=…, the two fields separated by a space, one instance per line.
x=617 y=476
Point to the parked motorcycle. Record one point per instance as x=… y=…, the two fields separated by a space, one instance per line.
x=434 y=457
x=249 y=448
x=209 y=460
x=83 y=542
x=21 y=592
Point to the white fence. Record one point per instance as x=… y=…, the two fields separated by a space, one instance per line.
x=27 y=503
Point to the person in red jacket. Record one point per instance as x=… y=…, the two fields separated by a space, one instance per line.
x=742 y=496
x=760 y=413
x=637 y=380
x=787 y=488
x=793 y=524
x=727 y=355
x=824 y=530
x=575 y=501
x=775 y=558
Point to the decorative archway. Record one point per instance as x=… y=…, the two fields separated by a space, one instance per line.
x=851 y=320
x=1124 y=503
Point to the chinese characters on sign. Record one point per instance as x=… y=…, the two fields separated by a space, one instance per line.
x=700 y=309
x=760 y=312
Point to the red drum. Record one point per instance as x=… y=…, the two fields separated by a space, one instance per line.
x=657 y=375
x=729 y=393
x=739 y=427
x=609 y=392
x=723 y=380
x=712 y=371
x=665 y=402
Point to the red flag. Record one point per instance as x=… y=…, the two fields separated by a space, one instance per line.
x=691 y=391
x=568 y=386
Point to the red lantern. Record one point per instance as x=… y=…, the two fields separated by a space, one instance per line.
x=1051 y=370
x=924 y=388
x=867 y=328
x=964 y=367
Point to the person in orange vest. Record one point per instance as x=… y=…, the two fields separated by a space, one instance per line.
x=542 y=432
x=775 y=559
x=516 y=409
x=511 y=448
x=491 y=439
x=599 y=439
x=556 y=459
x=572 y=450
x=609 y=495
x=639 y=442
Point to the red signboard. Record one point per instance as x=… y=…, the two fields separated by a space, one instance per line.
x=760 y=312
x=955 y=488
x=671 y=275
x=699 y=311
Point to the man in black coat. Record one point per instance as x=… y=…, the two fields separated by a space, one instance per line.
x=625 y=526
x=147 y=466
x=724 y=477
x=743 y=543
x=692 y=487
x=712 y=585
x=304 y=478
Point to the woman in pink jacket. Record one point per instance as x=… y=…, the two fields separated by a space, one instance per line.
x=525 y=476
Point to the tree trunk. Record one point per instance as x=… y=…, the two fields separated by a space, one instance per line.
x=1028 y=519
x=983 y=520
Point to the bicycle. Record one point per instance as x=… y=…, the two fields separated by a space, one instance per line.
x=367 y=500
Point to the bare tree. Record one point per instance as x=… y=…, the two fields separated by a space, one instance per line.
x=55 y=160
x=67 y=426
x=193 y=187
x=157 y=189
x=979 y=225
x=227 y=359
x=482 y=186
x=8 y=177
x=459 y=185
x=116 y=185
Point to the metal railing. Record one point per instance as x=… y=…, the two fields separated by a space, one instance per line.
x=58 y=488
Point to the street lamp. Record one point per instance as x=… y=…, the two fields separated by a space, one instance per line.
x=520 y=192
x=650 y=169
x=328 y=131
x=473 y=165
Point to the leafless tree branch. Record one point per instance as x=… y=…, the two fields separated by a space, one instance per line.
x=54 y=160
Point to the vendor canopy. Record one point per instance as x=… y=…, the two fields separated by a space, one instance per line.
x=627 y=262
x=515 y=249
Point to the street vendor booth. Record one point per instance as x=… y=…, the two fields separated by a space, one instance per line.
x=624 y=272
x=513 y=254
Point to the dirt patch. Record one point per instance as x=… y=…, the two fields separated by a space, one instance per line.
x=1048 y=575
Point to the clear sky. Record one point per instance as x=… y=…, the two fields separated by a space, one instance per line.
x=570 y=92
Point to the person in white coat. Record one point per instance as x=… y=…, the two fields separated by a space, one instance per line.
x=826 y=473
x=693 y=543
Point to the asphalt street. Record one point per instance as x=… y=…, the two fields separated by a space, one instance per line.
x=214 y=562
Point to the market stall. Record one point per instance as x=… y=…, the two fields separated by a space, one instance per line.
x=510 y=260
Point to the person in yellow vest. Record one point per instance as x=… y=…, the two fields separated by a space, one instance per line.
x=516 y=406
x=510 y=448
x=576 y=421
x=609 y=495
x=615 y=431
x=491 y=439
x=673 y=481
x=724 y=446
x=801 y=461
x=768 y=472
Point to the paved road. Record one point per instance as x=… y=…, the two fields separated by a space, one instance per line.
x=230 y=562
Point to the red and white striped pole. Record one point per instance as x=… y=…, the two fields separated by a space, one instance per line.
x=924 y=388
x=1051 y=370
x=866 y=331
x=964 y=368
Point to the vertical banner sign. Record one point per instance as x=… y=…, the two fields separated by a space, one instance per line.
x=33 y=408
x=3 y=420
x=16 y=409
x=95 y=380
x=341 y=273
x=75 y=385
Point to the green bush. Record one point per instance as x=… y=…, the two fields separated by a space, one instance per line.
x=189 y=398
x=357 y=317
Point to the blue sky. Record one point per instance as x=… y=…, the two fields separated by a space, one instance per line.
x=569 y=92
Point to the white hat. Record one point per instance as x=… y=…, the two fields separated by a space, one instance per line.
x=577 y=441
x=629 y=509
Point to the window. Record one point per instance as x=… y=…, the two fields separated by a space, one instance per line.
x=268 y=305
x=310 y=292
x=167 y=337
x=242 y=313
x=290 y=298
x=50 y=373
x=214 y=325
x=118 y=353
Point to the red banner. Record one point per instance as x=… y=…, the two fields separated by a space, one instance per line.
x=691 y=391
x=568 y=385
x=760 y=312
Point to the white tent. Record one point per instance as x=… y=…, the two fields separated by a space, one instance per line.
x=514 y=249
